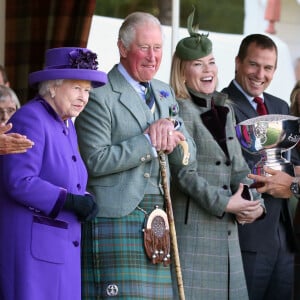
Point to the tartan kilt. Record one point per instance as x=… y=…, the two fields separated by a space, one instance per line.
x=114 y=260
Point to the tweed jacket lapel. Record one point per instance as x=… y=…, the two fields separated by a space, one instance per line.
x=161 y=98
x=214 y=116
x=244 y=110
x=191 y=114
x=273 y=107
x=134 y=103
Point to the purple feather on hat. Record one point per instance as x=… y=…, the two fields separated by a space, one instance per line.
x=83 y=59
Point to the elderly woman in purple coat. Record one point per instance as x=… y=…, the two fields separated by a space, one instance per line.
x=43 y=194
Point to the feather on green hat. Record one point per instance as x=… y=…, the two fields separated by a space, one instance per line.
x=196 y=45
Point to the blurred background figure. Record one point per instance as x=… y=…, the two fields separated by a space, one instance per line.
x=295 y=111
x=3 y=76
x=297 y=69
x=272 y=14
x=9 y=103
x=295 y=98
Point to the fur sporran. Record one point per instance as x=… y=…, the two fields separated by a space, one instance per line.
x=157 y=237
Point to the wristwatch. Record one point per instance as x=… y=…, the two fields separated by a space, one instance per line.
x=294 y=187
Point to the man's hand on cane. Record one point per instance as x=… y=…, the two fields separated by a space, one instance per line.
x=163 y=136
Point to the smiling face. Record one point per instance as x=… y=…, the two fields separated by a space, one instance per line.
x=255 y=73
x=201 y=74
x=143 y=57
x=69 y=98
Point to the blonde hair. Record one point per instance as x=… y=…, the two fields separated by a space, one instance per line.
x=293 y=98
x=177 y=78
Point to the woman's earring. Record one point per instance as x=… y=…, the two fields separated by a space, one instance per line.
x=52 y=94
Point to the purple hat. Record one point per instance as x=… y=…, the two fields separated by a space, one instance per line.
x=70 y=63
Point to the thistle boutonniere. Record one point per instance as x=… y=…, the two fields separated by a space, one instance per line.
x=173 y=110
x=163 y=94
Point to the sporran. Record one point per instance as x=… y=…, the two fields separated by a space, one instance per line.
x=157 y=237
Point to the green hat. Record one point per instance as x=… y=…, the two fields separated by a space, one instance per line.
x=196 y=45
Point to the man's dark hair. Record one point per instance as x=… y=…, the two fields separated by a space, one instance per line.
x=261 y=41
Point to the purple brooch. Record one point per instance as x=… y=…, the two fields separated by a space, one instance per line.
x=83 y=59
x=163 y=94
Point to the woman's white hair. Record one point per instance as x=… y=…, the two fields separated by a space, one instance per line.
x=44 y=86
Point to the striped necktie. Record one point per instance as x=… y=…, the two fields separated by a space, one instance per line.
x=261 y=107
x=149 y=97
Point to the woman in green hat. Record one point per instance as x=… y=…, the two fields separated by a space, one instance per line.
x=207 y=198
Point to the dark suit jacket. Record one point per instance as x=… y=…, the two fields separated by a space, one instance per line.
x=262 y=234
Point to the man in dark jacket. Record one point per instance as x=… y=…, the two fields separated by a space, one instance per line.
x=267 y=244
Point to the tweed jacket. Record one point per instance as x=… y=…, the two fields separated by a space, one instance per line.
x=118 y=156
x=261 y=236
x=207 y=237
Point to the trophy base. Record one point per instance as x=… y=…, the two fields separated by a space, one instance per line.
x=286 y=167
x=273 y=158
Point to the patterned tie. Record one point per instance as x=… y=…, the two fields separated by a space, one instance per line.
x=149 y=97
x=261 y=108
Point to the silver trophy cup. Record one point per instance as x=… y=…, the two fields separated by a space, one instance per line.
x=269 y=136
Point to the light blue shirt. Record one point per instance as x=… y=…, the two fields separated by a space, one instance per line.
x=140 y=90
x=135 y=84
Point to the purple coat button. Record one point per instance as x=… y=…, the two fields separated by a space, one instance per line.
x=76 y=243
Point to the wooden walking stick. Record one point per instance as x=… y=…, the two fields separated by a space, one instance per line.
x=169 y=211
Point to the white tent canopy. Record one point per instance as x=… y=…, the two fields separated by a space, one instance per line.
x=103 y=41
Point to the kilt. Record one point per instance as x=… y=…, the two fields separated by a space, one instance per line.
x=114 y=263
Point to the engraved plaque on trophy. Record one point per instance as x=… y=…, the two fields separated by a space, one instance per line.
x=269 y=136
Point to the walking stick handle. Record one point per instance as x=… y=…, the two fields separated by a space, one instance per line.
x=186 y=153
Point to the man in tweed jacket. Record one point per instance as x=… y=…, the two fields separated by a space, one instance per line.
x=119 y=137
